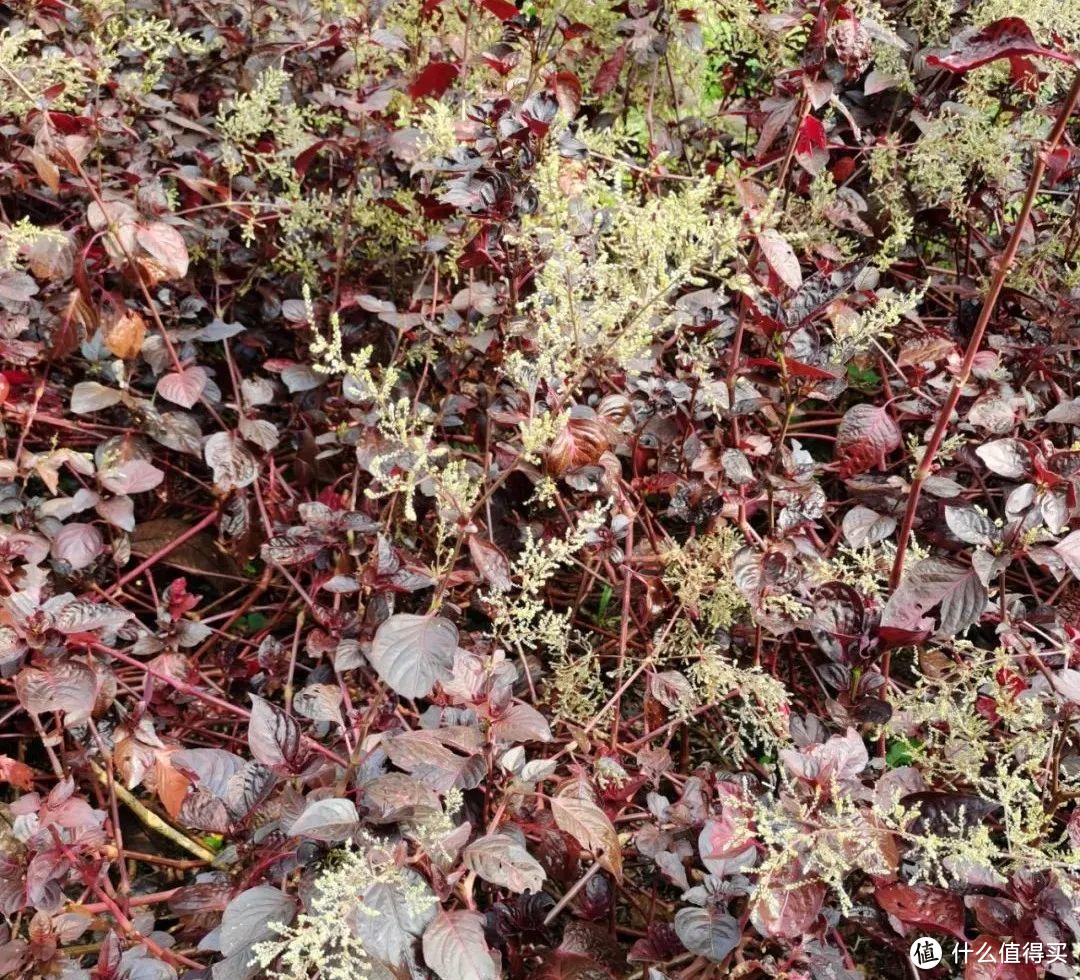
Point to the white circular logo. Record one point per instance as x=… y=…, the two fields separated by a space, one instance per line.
x=925 y=953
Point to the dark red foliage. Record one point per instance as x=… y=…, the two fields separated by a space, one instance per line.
x=538 y=489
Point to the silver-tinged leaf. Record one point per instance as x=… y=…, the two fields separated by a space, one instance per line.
x=455 y=948
x=275 y=738
x=67 y=686
x=89 y=396
x=970 y=526
x=248 y=917
x=411 y=653
x=1005 y=457
x=500 y=859
x=864 y=527
x=78 y=545
x=707 y=932
x=327 y=820
x=184 y=387
x=232 y=462
x=398 y=916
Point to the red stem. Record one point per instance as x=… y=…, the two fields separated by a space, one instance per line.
x=227 y=706
x=135 y=901
x=167 y=549
x=985 y=315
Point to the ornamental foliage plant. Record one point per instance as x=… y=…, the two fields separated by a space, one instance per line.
x=540 y=489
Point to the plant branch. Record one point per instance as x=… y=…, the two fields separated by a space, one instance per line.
x=985 y=315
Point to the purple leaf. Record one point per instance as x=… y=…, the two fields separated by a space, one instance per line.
x=455 y=948
x=503 y=861
x=1009 y=37
x=275 y=738
x=327 y=820
x=935 y=582
x=707 y=932
x=78 y=545
x=411 y=653
x=248 y=917
x=184 y=387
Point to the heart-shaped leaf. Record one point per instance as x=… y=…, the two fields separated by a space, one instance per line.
x=185 y=387
x=411 y=653
x=707 y=932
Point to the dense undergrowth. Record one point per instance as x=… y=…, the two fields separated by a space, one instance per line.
x=566 y=489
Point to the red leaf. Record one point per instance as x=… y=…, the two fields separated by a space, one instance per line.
x=581 y=442
x=434 y=80
x=16 y=773
x=500 y=8
x=567 y=89
x=842 y=169
x=305 y=159
x=866 y=435
x=502 y=66
x=798 y=369
x=795 y=368
x=812 y=145
x=1009 y=37
x=789 y=907
x=923 y=905
x=573 y=30
x=1057 y=163
x=607 y=77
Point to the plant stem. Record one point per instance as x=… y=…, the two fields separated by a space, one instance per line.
x=151 y=820
x=1004 y=264
x=205 y=696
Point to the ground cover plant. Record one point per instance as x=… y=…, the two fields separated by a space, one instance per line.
x=557 y=489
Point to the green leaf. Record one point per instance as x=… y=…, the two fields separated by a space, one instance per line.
x=900 y=753
x=602 y=609
x=863 y=377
